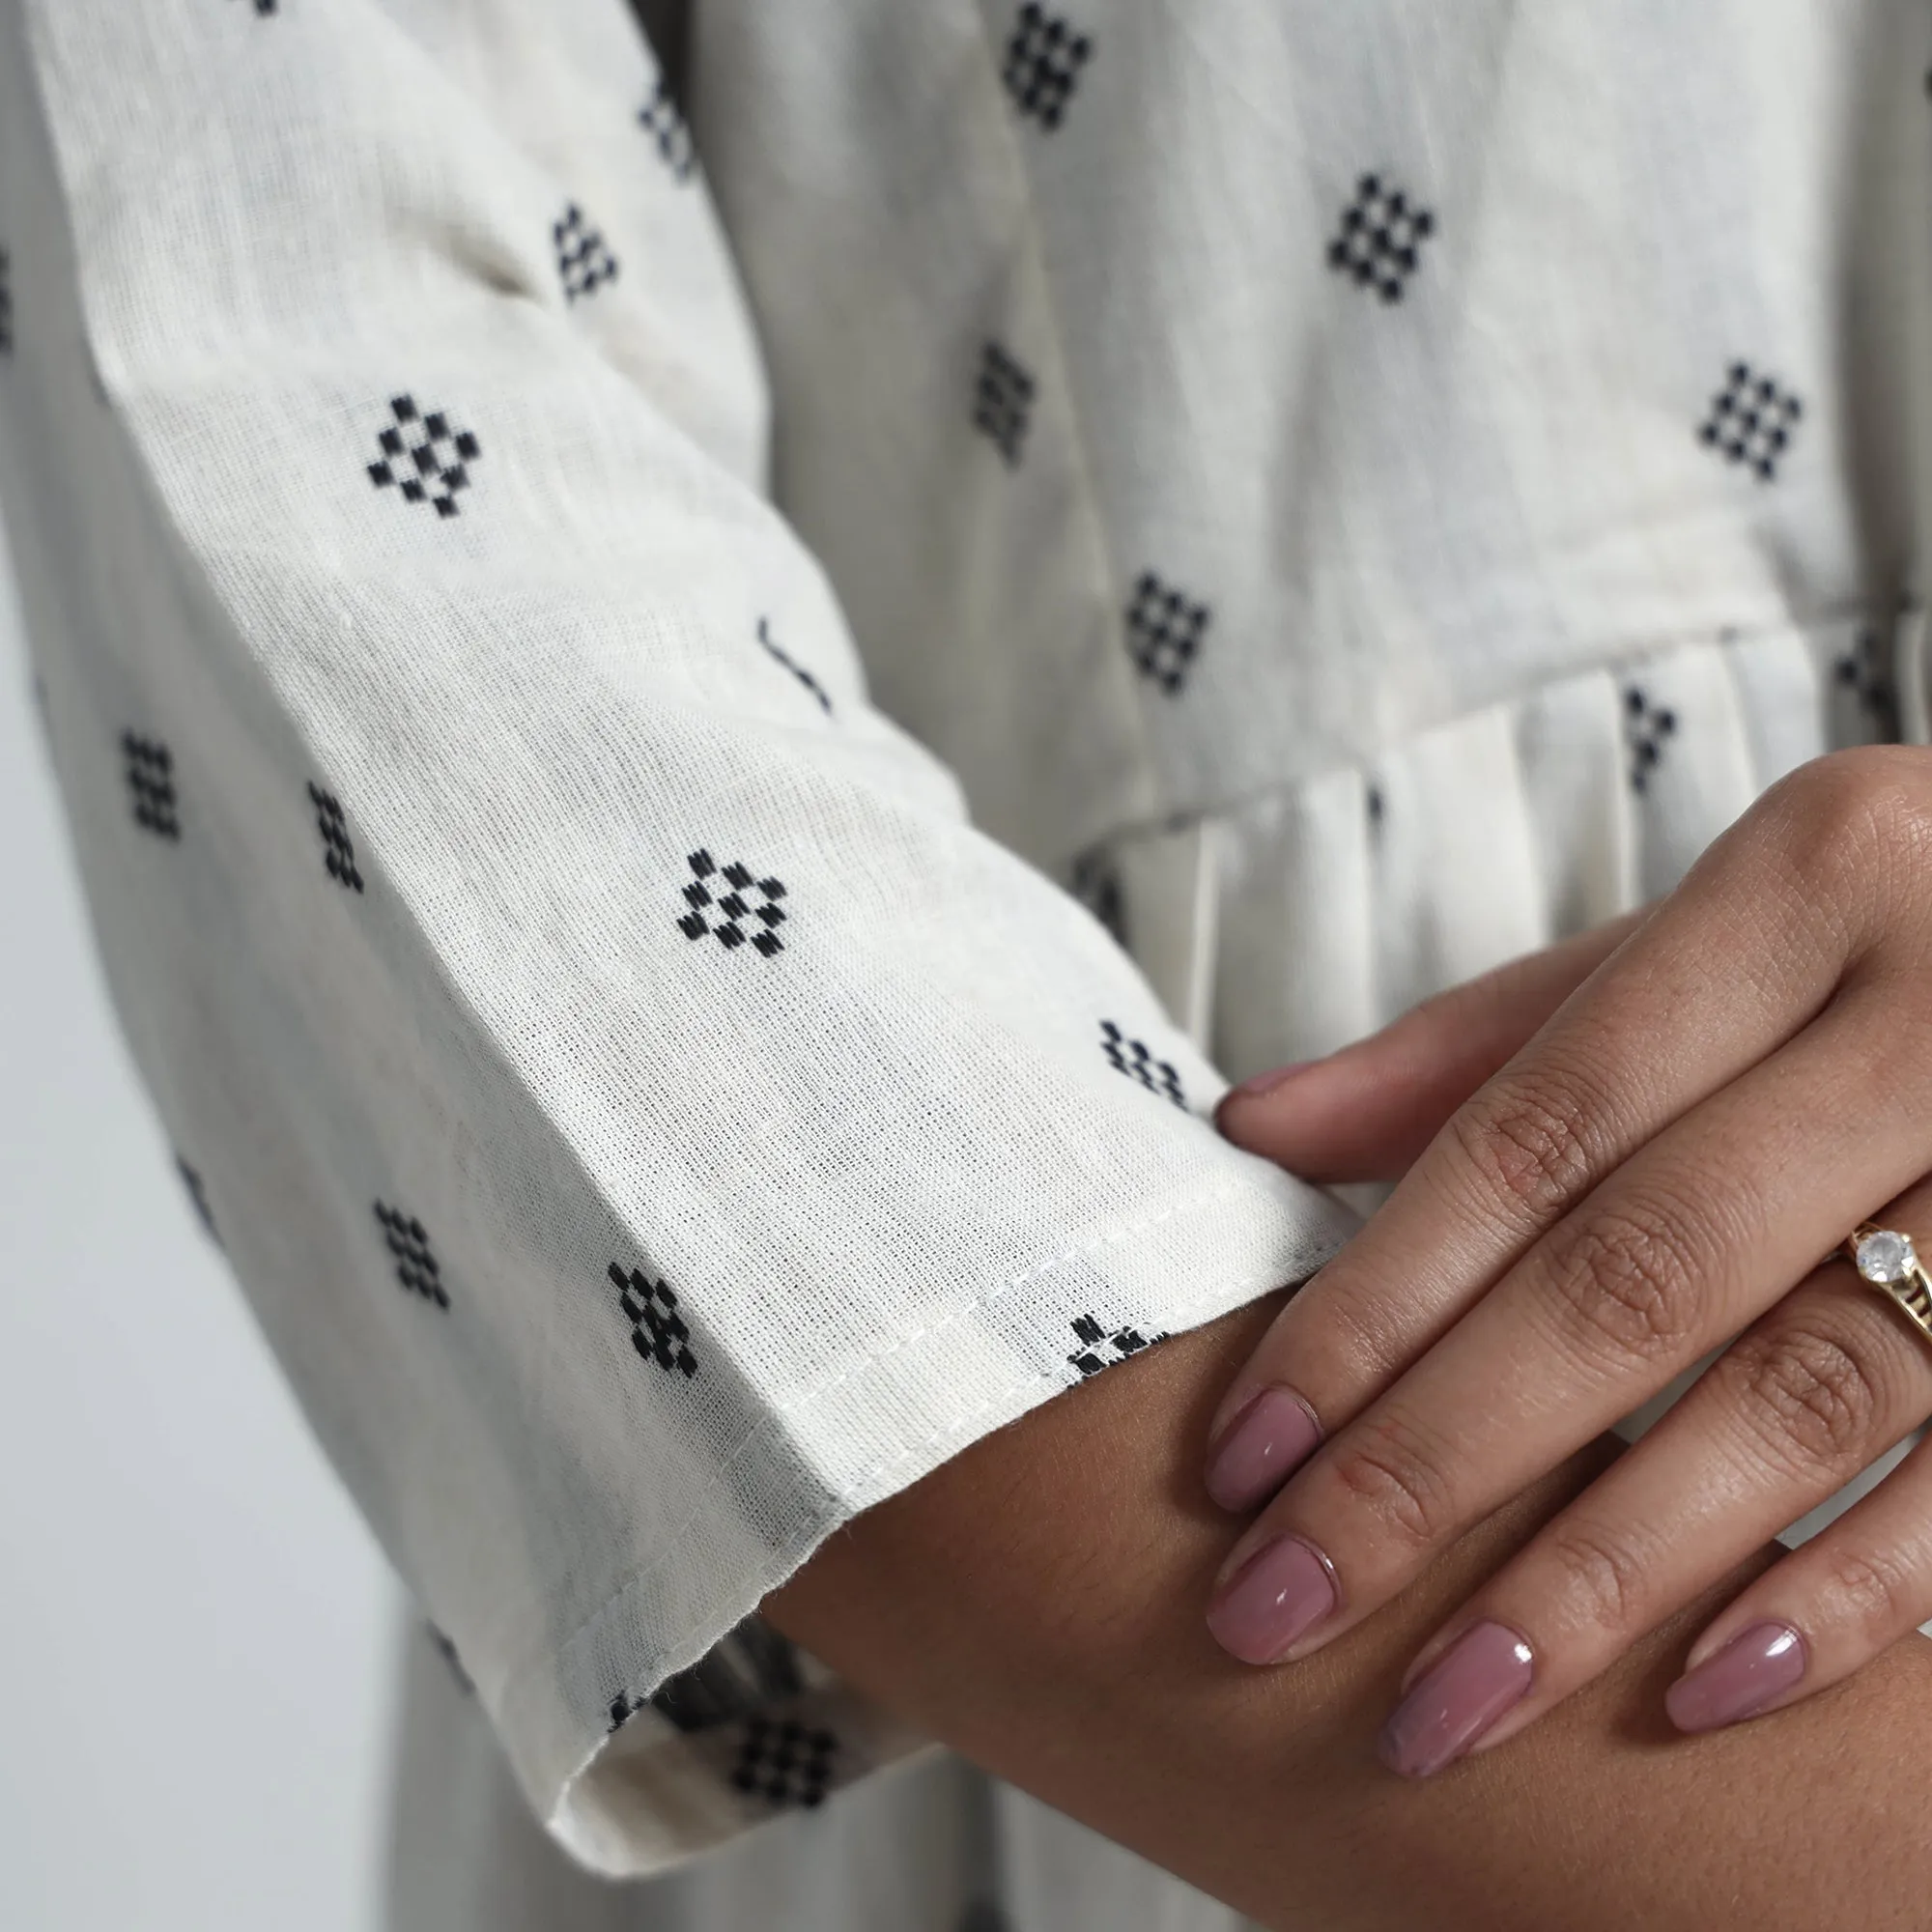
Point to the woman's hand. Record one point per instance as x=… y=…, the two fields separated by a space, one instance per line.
x=1033 y=1603
x=1650 y=1162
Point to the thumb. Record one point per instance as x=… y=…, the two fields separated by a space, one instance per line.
x=1366 y=1112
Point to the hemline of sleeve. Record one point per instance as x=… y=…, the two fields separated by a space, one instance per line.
x=627 y=1803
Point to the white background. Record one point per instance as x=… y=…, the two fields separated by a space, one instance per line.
x=197 y=1635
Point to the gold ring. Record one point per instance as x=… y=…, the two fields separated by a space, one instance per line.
x=1888 y=1261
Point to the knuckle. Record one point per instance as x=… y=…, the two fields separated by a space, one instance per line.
x=1601 y=1577
x=1365 y=1332
x=1388 y=1467
x=1809 y=1392
x=1847 y=814
x=1869 y=1589
x=1527 y=1140
x=1630 y=1283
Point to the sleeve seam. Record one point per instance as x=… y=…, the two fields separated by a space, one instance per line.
x=1224 y=1292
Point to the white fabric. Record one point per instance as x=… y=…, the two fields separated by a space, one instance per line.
x=1313 y=627
x=932 y=1846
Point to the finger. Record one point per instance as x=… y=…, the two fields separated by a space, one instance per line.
x=1720 y=976
x=1677 y=1252
x=1813 y=1393
x=1367 y=1111
x=1815 y=1617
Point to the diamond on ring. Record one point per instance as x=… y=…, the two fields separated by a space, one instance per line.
x=1884 y=1257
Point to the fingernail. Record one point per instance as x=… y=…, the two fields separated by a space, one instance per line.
x=1270 y=1438
x=1253 y=1088
x=1279 y=1595
x=1486 y=1671
x=1756 y=1666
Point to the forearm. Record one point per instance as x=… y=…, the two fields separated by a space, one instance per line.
x=1038 y=1604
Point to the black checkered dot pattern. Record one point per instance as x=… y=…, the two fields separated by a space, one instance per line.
x=1097 y=886
x=1002 y=401
x=1138 y=1062
x=1045 y=53
x=584 y=264
x=657 y=1329
x=1380 y=241
x=1864 y=674
x=664 y=122
x=749 y=1668
x=197 y=1194
x=1752 y=420
x=1100 y=1350
x=424 y=458
x=1647 y=728
x=780 y=655
x=415 y=1263
x=1165 y=629
x=732 y=906
x=784 y=1762
x=151 y=783
x=452 y=1657
x=338 y=849
x=622 y=1709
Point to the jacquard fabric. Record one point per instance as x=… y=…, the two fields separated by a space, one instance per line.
x=700 y=710
x=1457 y=849
x=652 y=1122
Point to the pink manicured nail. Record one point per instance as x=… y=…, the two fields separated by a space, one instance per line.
x=1253 y=1088
x=1280 y=1594
x=1756 y=1666
x=1268 y=1440
x=1482 y=1674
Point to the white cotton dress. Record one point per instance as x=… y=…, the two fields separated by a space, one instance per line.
x=601 y=603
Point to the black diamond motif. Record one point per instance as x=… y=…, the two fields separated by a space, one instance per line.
x=745 y=911
x=749 y=1666
x=781 y=656
x=1096 y=885
x=663 y=121
x=583 y=264
x=338 y=850
x=424 y=458
x=1380 y=241
x=1752 y=420
x=449 y=1654
x=1089 y=1358
x=6 y=302
x=1647 y=727
x=786 y=1762
x=1164 y=630
x=1044 y=56
x=415 y=1265
x=1136 y=1059
x=657 y=1329
x=1002 y=401
x=1863 y=671
x=151 y=768
x=197 y=1193
x=622 y=1709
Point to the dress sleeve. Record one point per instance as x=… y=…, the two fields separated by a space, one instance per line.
x=650 y=1123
